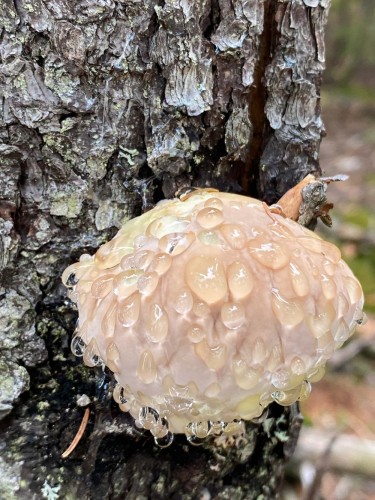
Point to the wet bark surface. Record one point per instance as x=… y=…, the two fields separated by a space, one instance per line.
x=108 y=107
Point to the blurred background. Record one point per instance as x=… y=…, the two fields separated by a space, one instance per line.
x=335 y=459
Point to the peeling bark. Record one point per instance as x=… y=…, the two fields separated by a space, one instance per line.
x=107 y=107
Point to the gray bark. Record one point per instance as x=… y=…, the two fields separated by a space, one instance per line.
x=108 y=106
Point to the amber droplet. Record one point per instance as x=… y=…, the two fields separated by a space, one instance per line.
x=147 y=370
x=300 y=282
x=214 y=357
x=320 y=324
x=289 y=313
x=113 y=357
x=244 y=376
x=206 y=278
x=269 y=254
x=240 y=280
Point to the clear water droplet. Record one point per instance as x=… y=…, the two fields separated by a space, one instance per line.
x=176 y=243
x=184 y=301
x=232 y=315
x=78 y=346
x=157 y=323
x=129 y=309
x=147 y=283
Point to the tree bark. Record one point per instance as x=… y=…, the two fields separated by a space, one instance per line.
x=107 y=107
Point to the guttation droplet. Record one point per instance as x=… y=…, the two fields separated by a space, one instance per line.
x=113 y=357
x=232 y=315
x=102 y=286
x=157 y=323
x=78 y=346
x=234 y=235
x=240 y=280
x=289 y=313
x=214 y=357
x=147 y=283
x=210 y=217
x=176 y=243
x=270 y=255
x=129 y=309
x=184 y=301
x=245 y=377
x=206 y=278
x=161 y=263
x=147 y=370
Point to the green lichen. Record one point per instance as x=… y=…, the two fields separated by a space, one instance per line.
x=66 y=205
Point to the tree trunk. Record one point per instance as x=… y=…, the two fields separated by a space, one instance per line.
x=107 y=107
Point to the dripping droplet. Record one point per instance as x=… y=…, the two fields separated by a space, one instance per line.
x=78 y=346
x=91 y=354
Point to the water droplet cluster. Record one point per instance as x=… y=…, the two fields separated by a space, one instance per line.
x=208 y=309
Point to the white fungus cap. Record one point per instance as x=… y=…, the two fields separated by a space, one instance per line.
x=208 y=309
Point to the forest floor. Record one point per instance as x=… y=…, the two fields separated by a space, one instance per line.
x=343 y=403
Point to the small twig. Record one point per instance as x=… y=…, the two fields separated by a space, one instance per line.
x=320 y=469
x=79 y=434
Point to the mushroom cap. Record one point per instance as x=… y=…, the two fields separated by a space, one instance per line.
x=208 y=309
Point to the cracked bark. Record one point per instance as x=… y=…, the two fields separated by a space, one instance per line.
x=106 y=108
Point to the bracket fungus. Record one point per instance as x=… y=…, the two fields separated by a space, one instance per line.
x=207 y=309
